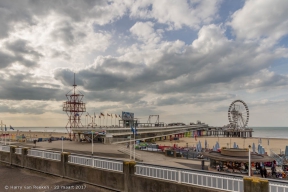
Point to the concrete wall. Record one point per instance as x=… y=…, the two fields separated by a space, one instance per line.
x=144 y=184
x=5 y=157
x=16 y=159
x=111 y=179
x=43 y=165
x=125 y=181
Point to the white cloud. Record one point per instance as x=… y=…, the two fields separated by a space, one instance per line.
x=145 y=32
x=261 y=19
x=176 y=14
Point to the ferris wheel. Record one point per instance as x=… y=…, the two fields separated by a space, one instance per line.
x=238 y=114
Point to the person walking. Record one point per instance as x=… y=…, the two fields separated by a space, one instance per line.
x=273 y=169
x=265 y=172
x=261 y=171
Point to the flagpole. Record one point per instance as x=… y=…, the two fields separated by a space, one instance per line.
x=130 y=146
x=5 y=136
x=134 y=141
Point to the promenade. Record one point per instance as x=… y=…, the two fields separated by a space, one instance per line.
x=111 y=151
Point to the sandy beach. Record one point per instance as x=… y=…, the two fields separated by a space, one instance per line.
x=274 y=143
x=33 y=135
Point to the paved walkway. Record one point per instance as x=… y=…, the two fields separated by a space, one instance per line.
x=18 y=179
x=111 y=151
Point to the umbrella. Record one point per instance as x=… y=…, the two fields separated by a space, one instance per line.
x=200 y=147
x=259 y=148
x=253 y=147
x=218 y=145
x=237 y=147
x=286 y=152
x=263 y=150
x=234 y=145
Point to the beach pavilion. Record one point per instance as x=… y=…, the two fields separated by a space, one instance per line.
x=234 y=157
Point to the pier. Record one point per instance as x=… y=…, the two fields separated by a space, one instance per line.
x=217 y=132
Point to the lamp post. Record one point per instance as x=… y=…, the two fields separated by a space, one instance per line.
x=249 y=161
x=92 y=142
x=62 y=144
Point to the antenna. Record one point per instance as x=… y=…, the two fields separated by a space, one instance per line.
x=74 y=81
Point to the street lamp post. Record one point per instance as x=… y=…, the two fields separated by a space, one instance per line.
x=62 y=144
x=249 y=161
x=92 y=142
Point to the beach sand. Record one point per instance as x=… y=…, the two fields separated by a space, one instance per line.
x=274 y=143
x=33 y=135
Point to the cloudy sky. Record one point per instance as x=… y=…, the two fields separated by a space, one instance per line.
x=184 y=60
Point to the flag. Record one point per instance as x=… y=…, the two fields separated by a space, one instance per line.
x=11 y=127
x=102 y=114
x=134 y=130
x=108 y=114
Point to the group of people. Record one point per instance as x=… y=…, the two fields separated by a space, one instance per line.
x=263 y=172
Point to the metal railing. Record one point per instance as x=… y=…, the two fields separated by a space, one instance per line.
x=278 y=188
x=96 y=162
x=18 y=151
x=281 y=187
x=45 y=154
x=5 y=148
x=228 y=183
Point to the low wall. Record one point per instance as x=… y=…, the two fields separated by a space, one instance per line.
x=107 y=180
x=16 y=159
x=111 y=179
x=43 y=165
x=144 y=184
x=5 y=157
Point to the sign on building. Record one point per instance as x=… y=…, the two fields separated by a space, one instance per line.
x=127 y=116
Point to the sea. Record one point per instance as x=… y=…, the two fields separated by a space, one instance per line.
x=263 y=132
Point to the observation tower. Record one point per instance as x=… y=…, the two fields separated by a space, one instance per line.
x=74 y=107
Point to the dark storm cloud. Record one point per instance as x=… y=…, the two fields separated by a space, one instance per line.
x=38 y=108
x=114 y=95
x=19 y=49
x=20 y=87
x=6 y=59
x=188 y=72
x=191 y=99
x=25 y=11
